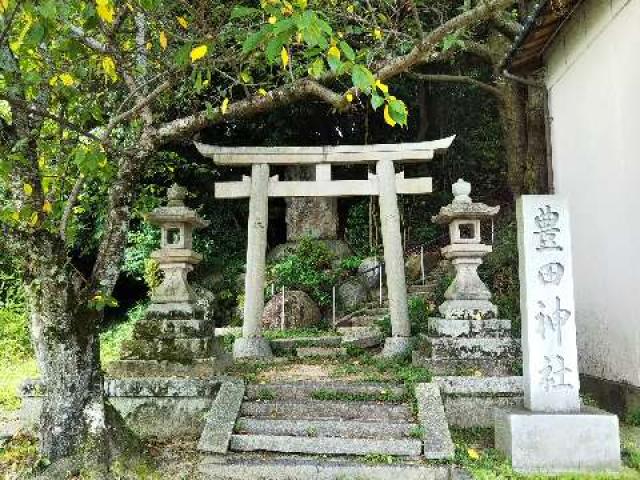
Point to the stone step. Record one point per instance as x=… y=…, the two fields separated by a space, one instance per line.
x=363 y=337
x=326 y=428
x=474 y=348
x=307 y=352
x=498 y=367
x=248 y=466
x=361 y=321
x=441 y=327
x=305 y=390
x=291 y=344
x=328 y=409
x=326 y=445
x=480 y=395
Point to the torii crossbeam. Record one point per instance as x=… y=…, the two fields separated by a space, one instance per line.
x=385 y=184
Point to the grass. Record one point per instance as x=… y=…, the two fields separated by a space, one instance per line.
x=20 y=458
x=298 y=332
x=12 y=374
x=112 y=338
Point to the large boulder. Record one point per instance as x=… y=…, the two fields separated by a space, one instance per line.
x=300 y=311
x=370 y=273
x=352 y=293
x=413 y=269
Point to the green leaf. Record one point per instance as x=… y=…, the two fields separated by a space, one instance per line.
x=362 y=78
x=317 y=68
x=240 y=11
x=398 y=111
x=334 y=63
x=253 y=40
x=348 y=51
x=376 y=101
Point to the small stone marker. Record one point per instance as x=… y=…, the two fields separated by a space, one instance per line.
x=550 y=355
x=553 y=433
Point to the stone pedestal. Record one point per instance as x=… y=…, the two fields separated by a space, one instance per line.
x=588 y=441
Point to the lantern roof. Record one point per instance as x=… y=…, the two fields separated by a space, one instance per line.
x=176 y=211
x=462 y=207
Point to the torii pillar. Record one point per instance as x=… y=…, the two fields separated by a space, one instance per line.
x=385 y=183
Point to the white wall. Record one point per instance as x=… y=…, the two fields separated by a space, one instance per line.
x=593 y=76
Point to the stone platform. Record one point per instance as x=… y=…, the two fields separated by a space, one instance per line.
x=588 y=441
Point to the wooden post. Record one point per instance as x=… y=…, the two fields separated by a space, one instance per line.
x=399 y=343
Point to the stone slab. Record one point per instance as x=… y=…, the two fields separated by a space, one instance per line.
x=553 y=443
x=474 y=348
x=327 y=409
x=304 y=390
x=470 y=402
x=326 y=428
x=431 y=415
x=444 y=327
x=199 y=367
x=326 y=445
x=305 y=352
x=457 y=366
x=221 y=418
x=252 y=348
x=480 y=386
x=174 y=349
x=172 y=328
x=246 y=466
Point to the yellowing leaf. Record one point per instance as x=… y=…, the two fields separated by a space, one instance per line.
x=225 y=106
x=163 y=40
x=349 y=97
x=262 y=92
x=67 y=79
x=109 y=67
x=245 y=77
x=377 y=34
x=47 y=207
x=28 y=189
x=351 y=8
x=334 y=52
x=272 y=19
x=183 y=22
x=149 y=45
x=15 y=216
x=198 y=52
x=473 y=453
x=105 y=10
x=387 y=117
x=287 y=9
x=34 y=219
x=383 y=87
x=4 y=4
x=302 y=4
x=284 y=55
x=53 y=81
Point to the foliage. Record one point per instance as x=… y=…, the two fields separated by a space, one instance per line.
x=112 y=338
x=419 y=313
x=20 y=458
x=307 y=268
x=357 y=228
x=633 y=417
x=500 y=271
x=140 y=243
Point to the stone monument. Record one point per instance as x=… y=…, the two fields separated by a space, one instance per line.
x=554 y=432
x=467 y=297
x=176 y=333
x=468 y=338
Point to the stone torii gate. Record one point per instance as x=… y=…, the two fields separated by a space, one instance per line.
x=385 y=184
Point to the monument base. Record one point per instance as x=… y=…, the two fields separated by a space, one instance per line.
x=468 y=309
x=552 y=443
x=249 y=348
x=397 y=346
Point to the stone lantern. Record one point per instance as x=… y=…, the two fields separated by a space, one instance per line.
x=467 y=297
x=175 y=256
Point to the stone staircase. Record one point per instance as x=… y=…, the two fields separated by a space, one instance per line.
x=327 y=419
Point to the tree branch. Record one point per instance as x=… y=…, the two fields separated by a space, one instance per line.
x=276 y=98
x=90 y=42
x=506 y=26
x=460 y=79
x=68 y=208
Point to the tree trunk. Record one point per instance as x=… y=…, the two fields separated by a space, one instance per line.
x=76 y=422
x=536 y=174
x=514 y=127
